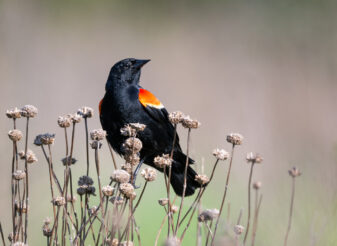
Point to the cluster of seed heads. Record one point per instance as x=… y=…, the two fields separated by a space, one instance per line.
x=149 y=174
x=294 y=172
x=15 y=135
x=120 y=176
x=162 y=161
x=127 y=190
x=221 y=154
x=202 y=179
x=178 y=117
x=235 y=138
x=30 y=156
x=208 y=215
x=44 y=139
x=254 y=158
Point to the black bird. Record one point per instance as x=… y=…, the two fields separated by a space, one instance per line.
x=125 y=101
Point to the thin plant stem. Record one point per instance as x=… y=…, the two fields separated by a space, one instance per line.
x=87 y=142
x=209 y=229
x=291 y=211
x=27 y=178
x=112 y=155
x=2 y=235
x=249 y=188
x=224 y=195
x=160 y=229
x=257 y=210
x=170 y=218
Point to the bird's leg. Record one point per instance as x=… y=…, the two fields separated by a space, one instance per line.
x=136 y=173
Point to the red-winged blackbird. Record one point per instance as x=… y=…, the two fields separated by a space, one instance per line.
x=125 y=101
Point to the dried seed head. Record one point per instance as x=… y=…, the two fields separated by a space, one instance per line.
x=208 y=214
x=127 y=190
x=162 y=161
x=137 y=127
x=14 y=113
x=64 y=121
x=120 y=176
x=174 y=209
x=85 y=112
x=71 y=199
x=189 y=123
x=257 y=185
x=132 y=158
x=59 y=201
x=75 y=118
x=254 y=158
x=19 y=174
x=114 y=242
x=221 y=154
x=97 y=134
x=132 y=145
x=20 y=244
x=45 y=228
x=15 y=135
x=202 y=179
x=21 y=207
x=235 y=138
x=95 y=144
x=128 y=131
x=294 y=172
x=93 y=210
x=85 y=180
x=47 y=139
x=31 y=157
x=163 y=201
x=66 y=161
x=238 y=229
x=29 y=111
x=118 y=200
x=126 y=243
x=127 y=167
x=172 y=241
x=149 y=174
x=107 y=190
x=176 y=117
x=37 y=140
x=85 y=186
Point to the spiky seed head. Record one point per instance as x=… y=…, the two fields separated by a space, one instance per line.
x=235 y=138
x=202 y=179
x=59 y=201
x=238 y=229
x=189 y=123
x=163 y=201
x=85 y=112
x=257 y=185
x=162 y=161
x=127 y=190
x=120 y=176
x=15 y=135
x=132 y=144
x=47 y=139
x=14 y=113
x=176 y=117
x=221 y=154
x=208 y=214
x=107 y=190
x=29 y=111
x=64 y=121
x=254 y=158
x=294 y=172
x=19 y=174
x=149 y=174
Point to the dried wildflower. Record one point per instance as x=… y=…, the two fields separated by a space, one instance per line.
x=127 y=167
x=294 y=172
x=85 y=180
x=15 y=135
x=59 y=201
x=162 y=161
x=107 y=190
x=38 y=141
x=85 y=186
x=176 y=117
x=238 y=229
x=254 y=158
x=174 y=209
x=93 y=211
x=221 y=154
x=118 y=200
x=21 y=207
x=75 y=118
x=127 y=189
x=66 y=161
x=149 y=174
x=128 y=131
x=114 y=242
x=172 y=241
x=163 y=201
x=257 y=185
x=95 y=144
x=208 y=214
x=97 y=134
x=132 y=144
x=29 y=111
x=19 y=174
x=202 y=179
x=31 y=157
x=126 y=243
x=137 y=127
x=14 y=113
x=120 y=176
x=46 y=228
x=234 y=138
x=47 y=139
x=64 y=121
x=85 y=112
x=71 y=199
x=132 y=158
x=189 y=123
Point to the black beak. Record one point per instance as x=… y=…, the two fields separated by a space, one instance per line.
x=140 y=63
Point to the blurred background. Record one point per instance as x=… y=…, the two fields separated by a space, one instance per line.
x=265 y=69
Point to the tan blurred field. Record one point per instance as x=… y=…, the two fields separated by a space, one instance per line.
x=266 y=69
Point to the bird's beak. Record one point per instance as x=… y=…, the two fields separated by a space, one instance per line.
x=140 y=63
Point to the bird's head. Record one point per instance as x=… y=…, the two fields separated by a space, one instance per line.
x=125 y=72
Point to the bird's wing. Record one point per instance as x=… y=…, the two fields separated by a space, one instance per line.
x=156 y=111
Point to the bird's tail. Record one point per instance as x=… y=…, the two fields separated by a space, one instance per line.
x=177 y=179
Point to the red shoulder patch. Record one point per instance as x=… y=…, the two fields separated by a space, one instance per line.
x=100 y=107
x=146 y=98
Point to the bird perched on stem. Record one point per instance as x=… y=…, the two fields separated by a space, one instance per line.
x=125 y=101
